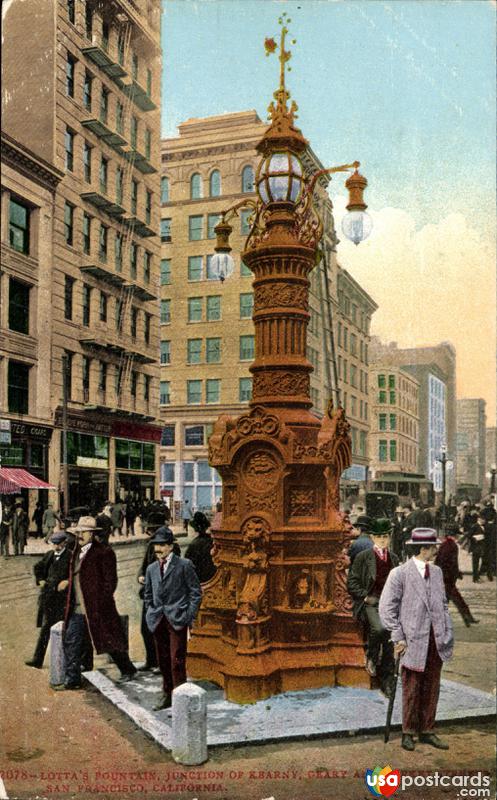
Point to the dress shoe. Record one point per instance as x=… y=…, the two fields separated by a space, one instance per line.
x=433 y=740
x=126 y=677
x=407 y=742
x=34 y=664
x=60 y=687
x=370 y=667
x=166 y=702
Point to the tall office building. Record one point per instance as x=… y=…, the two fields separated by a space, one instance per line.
x=471 y=434
x=207 y=335
x=393 y=439
x=88 y=107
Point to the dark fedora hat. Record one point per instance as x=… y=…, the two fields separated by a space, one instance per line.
x=363 y=522
x=381 y=527
x=163 y=535
x=424 y=536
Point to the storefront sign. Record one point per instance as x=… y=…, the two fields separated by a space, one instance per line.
x=98 y=463
x=356 y=472
x=27 y=430
x=166 y=492
x=83 y=423
x=133 y=430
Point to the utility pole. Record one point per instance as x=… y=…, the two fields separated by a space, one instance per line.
x=65 y=474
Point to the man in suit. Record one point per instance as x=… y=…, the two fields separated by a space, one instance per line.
x=363 y=540
x=172 y=599
x=51 y=575
x=366 y=579
x=20 y=528
x=448 y=560
x=91 y=615
x=199 y=551
x=414 y=608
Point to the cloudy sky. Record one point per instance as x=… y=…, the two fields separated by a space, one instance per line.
x=407 y=87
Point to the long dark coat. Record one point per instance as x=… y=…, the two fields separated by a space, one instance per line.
x=51 y=602
x=447 y=559
x=361 y=577
x=98 y=580
x=199 y=553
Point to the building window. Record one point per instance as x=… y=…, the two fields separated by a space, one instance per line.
x=244 y=389
x=18 y=306
x=195 y=187
x=213 y=350
x=71 y=11
x=68 y=296
x=213 y=308
x=88 y=20
x=393 y=398
x=393 y=422
x=18 y=387
x=69 y=149
x=345 y=339
x=148 y=87
x=164 y=189
x=102 y=378
x=134 y=382
x=391 y=381
x=194 y=309
x=86 y=379
x=246 y=305
x=245 y=271
x=247 y=348
x=146 y=334
x=133 y=260
x=193 y=392
x=19 y=226
x=165 y=351
x=68 y=223
x=244 y=221
x=104 y=174
x=362 y=443
x=247 y=179
x=393 y=450
x=147 y=266
x=134 y=67
x=148 y=207
x=382 y=397
x=67 y=373
x=165 y=311
x=382 y=422
x=134 y=133
x=353 y=344
x=118 y=251
x=194 y=351
x=102 y=311
x=134 y=322
x=119 y=185
x=215 y=184
x=70 y=72
x=194 y=436
x=165 y=271
x=165 y=230
x=105 y=35
x=168 y=436
x=382 y=450
x=212 y=221
x=119 y=315
x=86 y=304
x=381 y=381
x=119 y=117
x=212 y=390
x=147 y=380
x=195 y=225
x=353 y=376
x=195 y=268
x=121 y=47
x=148 y=143
x=87 y=162
x=104 y=105
x=210 y=273
x=102 y=242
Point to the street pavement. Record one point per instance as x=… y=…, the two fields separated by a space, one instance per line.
x=75 y=744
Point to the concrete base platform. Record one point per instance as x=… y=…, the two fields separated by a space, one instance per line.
x=312 y=713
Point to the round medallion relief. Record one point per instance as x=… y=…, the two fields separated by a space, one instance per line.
x=261 y=472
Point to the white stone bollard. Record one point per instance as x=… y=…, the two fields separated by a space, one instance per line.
x=57 y=662
x=189 y=724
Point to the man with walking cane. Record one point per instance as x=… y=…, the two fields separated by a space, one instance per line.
x=413 y=607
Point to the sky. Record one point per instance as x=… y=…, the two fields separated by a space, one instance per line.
x=407 y=87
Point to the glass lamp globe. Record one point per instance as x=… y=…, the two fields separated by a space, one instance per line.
x=222 y=266
x=280 y=178
x=357 y=225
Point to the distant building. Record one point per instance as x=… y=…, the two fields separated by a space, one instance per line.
x=434 y=368
x=471 y=434
x=393 y=438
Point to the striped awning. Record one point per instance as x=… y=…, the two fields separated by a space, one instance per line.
x=12 y=480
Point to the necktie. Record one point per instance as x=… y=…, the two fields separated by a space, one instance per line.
x=427 y=572
x=384 y=554
x=162 y=568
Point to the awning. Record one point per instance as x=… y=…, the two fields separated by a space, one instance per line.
x=12 y=480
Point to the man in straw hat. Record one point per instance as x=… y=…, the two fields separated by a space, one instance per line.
x=172 y=599
x=413 y=607
x=91 y=614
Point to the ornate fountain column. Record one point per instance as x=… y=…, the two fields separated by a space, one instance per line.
x=276 y=615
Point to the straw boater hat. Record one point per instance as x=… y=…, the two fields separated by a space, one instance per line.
x=424 y=536
x=85 y=524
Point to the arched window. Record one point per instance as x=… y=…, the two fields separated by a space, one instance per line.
x=215 y=184
x=196 y=186
x=247 y=179
x=164 y=189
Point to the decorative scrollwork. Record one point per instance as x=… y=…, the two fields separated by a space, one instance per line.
x=280 y=383
x=278 y=294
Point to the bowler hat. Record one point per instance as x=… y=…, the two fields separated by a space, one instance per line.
x=200 y=522
x=58 y=537
x=424 y=536
x=381 y=527
x=363 y=522
x=85 y=524
x=163 y=535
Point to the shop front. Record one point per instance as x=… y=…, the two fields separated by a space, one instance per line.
x=28 y=449
x=136 y=460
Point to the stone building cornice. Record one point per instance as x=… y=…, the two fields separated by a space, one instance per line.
x=19 y=157
x=199 y=152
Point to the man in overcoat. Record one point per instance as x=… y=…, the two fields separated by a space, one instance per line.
x=172 y=599
x=51 y=574
x=413 y=607
x=199 y=551
x=91 y=614
x=447 y=559
x=20 y=528
x=366 y=579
